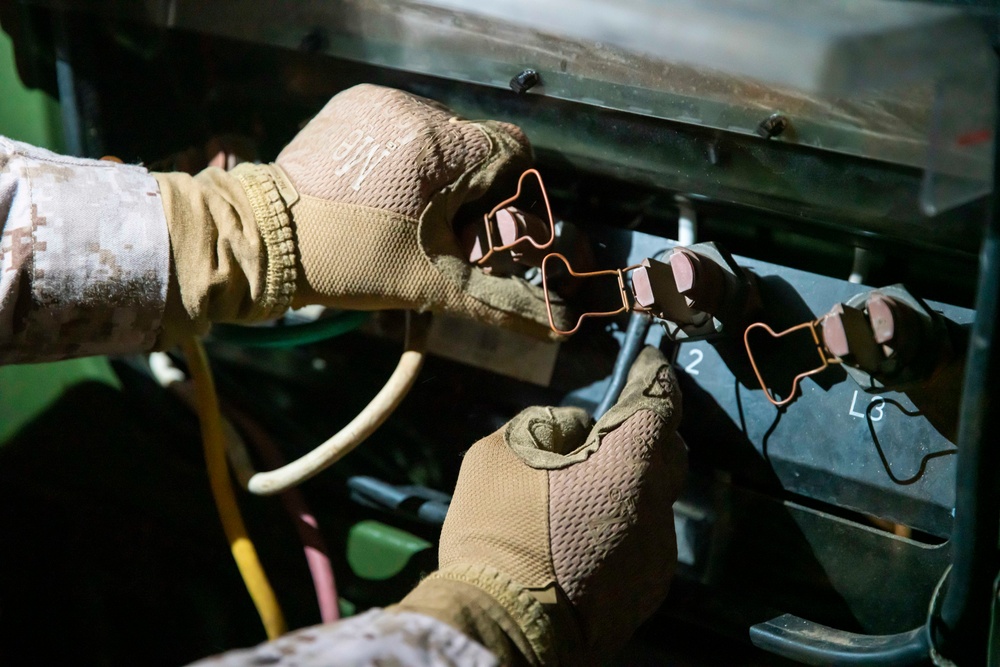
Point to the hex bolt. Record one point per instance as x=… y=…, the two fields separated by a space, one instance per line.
x=895 y=326
x=881 y=315
x=699 y=279
x=835 y=333
x=514 y=224
x=525 y=81
x=685 y=270
x=847 y=335
x=650 y=283
x=773 y=126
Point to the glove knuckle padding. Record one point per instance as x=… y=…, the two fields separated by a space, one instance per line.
x=382 y=148
x=380 y=175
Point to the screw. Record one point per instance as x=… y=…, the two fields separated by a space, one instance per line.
x=699 y=279
x=685 y=268
x=835 y=333
x=525 y=81
x=514 y=224
x=649 y=284
x=773 y=126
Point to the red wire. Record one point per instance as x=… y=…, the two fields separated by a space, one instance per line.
x=316 y=551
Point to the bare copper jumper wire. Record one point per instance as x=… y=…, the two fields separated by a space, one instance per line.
x=618 y=273
x=825 y=357
x=491 y=216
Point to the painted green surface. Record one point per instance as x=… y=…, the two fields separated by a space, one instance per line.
x=26 y=115
x=27 y=391
x=376 y=551
x=347 y=608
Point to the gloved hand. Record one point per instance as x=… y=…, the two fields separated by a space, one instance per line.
x=560 y=538
x=357 y=212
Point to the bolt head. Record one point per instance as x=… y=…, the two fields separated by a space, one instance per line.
x=882 y=315
x=525 y=81
x=773 y=126
x=685 y=271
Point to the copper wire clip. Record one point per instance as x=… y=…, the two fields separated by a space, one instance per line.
x=618 y=273
x=825 y=357
x=490 y=220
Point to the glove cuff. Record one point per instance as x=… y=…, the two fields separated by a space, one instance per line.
x=490 y=607
x=232 y=253
x=274 y=224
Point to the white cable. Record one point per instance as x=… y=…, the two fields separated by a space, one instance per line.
x=163 y=369
x=862 y=263
x=357 y=431
x=687 y=223
x=170 y=377
x=362 y=426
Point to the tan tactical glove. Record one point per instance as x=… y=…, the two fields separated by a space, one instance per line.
x=560 y=539
x=357 y=212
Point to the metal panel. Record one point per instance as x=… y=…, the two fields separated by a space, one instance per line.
x=854 y=76
x=880 y=456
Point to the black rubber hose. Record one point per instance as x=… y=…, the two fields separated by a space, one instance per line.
x=635 y=336
x=962 y=631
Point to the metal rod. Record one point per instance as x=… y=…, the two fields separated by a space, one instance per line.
x=69 y=107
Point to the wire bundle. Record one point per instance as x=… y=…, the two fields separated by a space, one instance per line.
x=221 y=438
x=214 y=442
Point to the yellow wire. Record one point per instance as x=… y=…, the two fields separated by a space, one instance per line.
x=242 y=548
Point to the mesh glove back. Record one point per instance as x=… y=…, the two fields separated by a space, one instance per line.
x=577 y=515
x=374 y=183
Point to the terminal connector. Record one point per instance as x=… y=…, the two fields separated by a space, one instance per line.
x=893 y=340
x=884 y=339
x=699 y=292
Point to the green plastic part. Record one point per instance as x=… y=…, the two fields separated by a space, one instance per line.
x=26 y=115
x=292 y=335
x=378 y=552
x=27 y=391
x=347 y=608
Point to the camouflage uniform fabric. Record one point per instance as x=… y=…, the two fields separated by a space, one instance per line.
x=84 y=270
x=376 y=637
x=84 y=256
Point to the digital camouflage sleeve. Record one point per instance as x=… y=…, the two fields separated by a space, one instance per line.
x=376 y=637
x=84 y=270
x=84 y=256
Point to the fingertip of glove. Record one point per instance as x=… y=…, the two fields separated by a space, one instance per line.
x=654 y=374
x=652 y=386
x=509 y=129
x=549 y=438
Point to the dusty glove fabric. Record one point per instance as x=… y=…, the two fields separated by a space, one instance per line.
x=564 y=559
x=232 y=254
x=373 y=184
x=84 y=256
x=373 y=638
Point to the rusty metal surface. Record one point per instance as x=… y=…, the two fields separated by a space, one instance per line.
x=832 y=72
